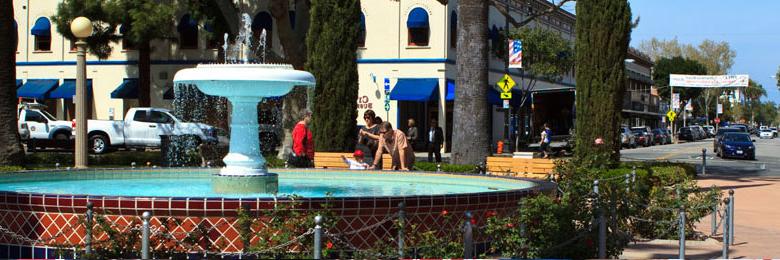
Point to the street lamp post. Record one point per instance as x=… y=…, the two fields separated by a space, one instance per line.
x=81 y=27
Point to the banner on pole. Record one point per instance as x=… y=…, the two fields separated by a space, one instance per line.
x=720 y=108
x=708 y=81
x=515 y=54
x=675 y=101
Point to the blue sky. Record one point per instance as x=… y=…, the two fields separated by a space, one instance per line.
x=752 y=28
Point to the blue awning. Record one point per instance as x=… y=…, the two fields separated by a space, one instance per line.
x=450 y=90
x=19 y=83
x=68 y=89
x=494 y=97
x=37 y=88
x=418 y=18
x=415 y=89
x=42 y=27
x=127 y=90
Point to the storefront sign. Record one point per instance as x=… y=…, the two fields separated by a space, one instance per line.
x=708 y=81
x=364 y=103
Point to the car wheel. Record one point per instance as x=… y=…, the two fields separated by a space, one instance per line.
x=61 y=137
x=98 y=144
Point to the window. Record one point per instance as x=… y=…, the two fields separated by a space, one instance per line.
x=188 y=32
x=140 y=116
x=453 y=30
x=417 y=25
x=362 y=35
x=262 y=21
x=42 y=32
x=160 y=118
x=126 y=43
x=32 y=116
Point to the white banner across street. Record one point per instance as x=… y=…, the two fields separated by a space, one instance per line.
x=708 y=81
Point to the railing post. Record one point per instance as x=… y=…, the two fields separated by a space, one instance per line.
x=145 y=235
x=401 y=218
x=731 y=216
x=317 y=237
x=725 y=220
x=703 y=161
x=633 y=174
x=602 y=223
x=682 y=232
x=714 y=223
x=468 y=241
x=88 y=238
x=438 y=167
x=628 y=183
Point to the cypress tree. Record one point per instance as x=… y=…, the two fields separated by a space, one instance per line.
x=332 y=44
x=603 y=34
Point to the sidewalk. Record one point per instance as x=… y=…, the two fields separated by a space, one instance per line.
x=757 y=230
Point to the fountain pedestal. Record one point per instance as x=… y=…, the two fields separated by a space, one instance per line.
x=244 y=158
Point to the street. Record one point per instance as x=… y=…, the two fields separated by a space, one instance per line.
x=756 y=186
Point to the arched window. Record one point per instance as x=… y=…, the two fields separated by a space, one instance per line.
x=362 y=35
x=417 y=24
x=262 y=21
x=188 y=32
x=126 y=43
x=42 y=32
x=453 y=29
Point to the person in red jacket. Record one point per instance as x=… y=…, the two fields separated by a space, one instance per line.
x=303 y=142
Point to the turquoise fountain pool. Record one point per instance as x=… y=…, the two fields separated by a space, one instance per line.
x=199 y=183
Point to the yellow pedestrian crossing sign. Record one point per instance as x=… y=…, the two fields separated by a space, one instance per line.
x=506 y=95
x=671 y=115
x=506 y=83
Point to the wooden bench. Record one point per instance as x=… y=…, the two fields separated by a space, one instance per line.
x=332 y=160
x=520 y=167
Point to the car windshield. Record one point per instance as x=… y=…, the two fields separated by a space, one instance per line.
x=736 y=138
x=48 y=116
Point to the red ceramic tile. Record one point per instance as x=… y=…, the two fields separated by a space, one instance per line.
x=161 y=204
x=178 y=204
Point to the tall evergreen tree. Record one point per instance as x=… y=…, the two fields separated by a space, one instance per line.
x=603 y=34
x=332 y=44
x=11 y=152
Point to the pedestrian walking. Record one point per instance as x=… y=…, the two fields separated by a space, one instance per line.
x=435 y=141
x=544 y=144
x=411 y=133
x=395 y=143
x=303 y=143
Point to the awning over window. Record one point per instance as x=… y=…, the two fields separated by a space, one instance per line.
x=42 y=27
x=68 y=89
x=494 y=97
x=418 y=18
x=415 y=89
x=37 y=88
x=127 y=90
x=450 y=96
x=18 y=83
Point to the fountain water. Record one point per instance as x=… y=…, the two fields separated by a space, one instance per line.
x=244 y=85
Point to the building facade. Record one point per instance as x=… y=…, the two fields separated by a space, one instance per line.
x=641 y=104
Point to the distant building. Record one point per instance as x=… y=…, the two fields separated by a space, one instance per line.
x=641 y=104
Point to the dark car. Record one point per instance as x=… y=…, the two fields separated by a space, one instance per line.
x=685 y=133
x=722 y=131
x=661 y=137
x=737 y=145
x=643 y=137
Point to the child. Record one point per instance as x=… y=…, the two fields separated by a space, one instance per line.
x=357 y=163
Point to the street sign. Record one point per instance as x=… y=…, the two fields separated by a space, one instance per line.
x=717 y=120
x=506 y=95
x=506 y=104
x=671 y=114
x=506 y=83
x=387 y=105
x=387 y=84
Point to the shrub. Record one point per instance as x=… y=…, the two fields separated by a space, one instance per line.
x=446 y=167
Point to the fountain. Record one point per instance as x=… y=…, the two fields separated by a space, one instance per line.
x=245 y=85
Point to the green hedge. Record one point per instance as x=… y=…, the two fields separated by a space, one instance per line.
x=446 y=167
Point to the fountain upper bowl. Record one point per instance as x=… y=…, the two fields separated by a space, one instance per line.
x=244 y=80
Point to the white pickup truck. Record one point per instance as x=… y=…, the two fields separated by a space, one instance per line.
x=142 y=128
x=40 y=129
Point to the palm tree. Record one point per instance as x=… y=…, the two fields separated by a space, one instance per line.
x=11 y=152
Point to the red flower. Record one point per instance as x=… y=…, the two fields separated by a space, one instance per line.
x=510 y=225
x=444 y=212
x=473 y=221
x=329 y=245
x=491 y=213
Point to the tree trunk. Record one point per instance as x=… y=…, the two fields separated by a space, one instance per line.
x=603 y=32
x=470 y=139
x=11 y=152
x=144 y=74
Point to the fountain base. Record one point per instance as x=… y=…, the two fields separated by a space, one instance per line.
x=237 y=184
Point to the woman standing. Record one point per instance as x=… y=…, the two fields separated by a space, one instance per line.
x=303 y=143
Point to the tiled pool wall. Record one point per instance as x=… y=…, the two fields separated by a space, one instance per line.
x=43 y=216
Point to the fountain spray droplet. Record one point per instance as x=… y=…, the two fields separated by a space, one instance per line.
x=225 y=47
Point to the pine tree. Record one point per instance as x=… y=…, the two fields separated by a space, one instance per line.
x=11 y=152
x=332 y=44
x=603 y=33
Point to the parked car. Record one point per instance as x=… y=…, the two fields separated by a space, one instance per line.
x=643 y=135
x=766 y=133
x=737 y=145
x=699 y=131
x=40 y=129
x=685 y=133
x=744 y=128
x=774 y=131
x=627 y=139
x=661 y=137
x=142 y=128
x=719 y=135
x=710 y=130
